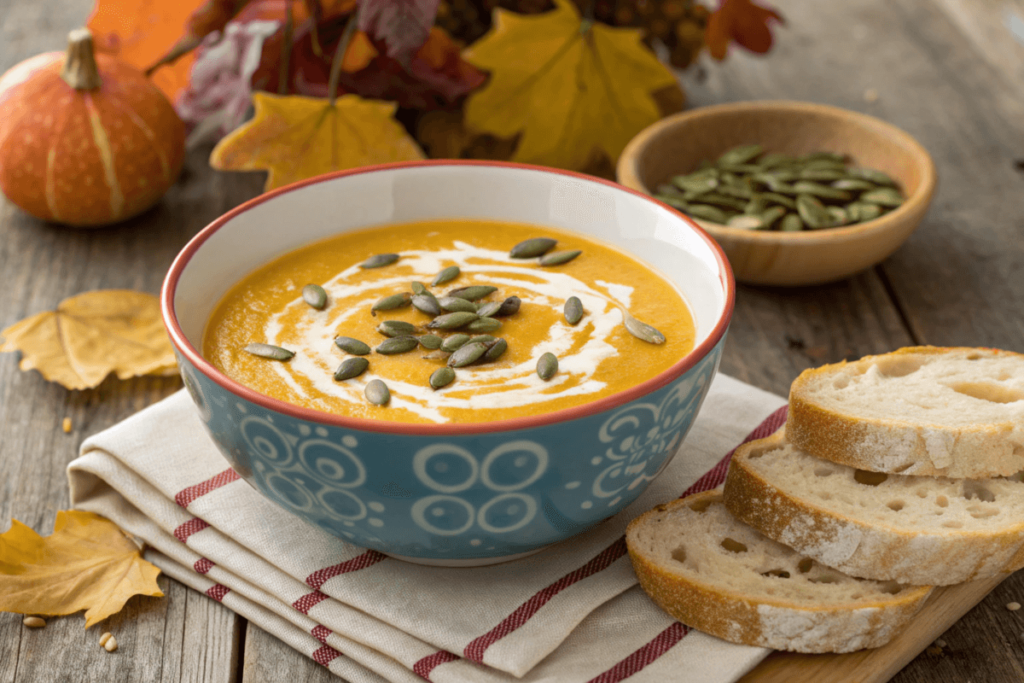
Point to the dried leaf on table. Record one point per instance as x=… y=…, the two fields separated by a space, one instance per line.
x=743 y=22
x=92 y=335
x=402 y=25
x=87 y=563
x=296 y=137
x=572 y=88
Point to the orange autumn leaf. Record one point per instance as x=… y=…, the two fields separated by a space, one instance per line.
x=296 y=137
x=572 y=89
x=359 y=53
x=88 y=564
x=92 y=335
x=743 y=22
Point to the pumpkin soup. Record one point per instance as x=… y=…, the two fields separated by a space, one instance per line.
x=449 y=321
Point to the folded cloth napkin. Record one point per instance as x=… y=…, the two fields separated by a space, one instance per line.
x=573 y=612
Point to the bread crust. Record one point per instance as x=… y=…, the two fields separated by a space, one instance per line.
x=753 y=619
x=977 y=452
x=865 y=549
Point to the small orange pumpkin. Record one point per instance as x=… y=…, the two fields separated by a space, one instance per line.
x=84 y=139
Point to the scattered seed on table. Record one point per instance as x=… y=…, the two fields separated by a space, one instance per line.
x=1013 y=606
x=105 y=637
x=66 y=425
x=111 y=644
x=33 y=622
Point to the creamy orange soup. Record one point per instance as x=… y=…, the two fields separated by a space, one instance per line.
x=597 y=357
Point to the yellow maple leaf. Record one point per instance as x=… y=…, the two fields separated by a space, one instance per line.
x=570 y=87
x=296 y=137
x=91 y=335
x=87 y=563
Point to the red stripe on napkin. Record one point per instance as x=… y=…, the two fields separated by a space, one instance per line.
x=367 y=559
x=643 y=656
x=309 y=601
x=321 y=632
x=202 y=565
x=217 y=591
x=188 y=528
x=186 y=496
x=423 y=667
x=325 y=655
x=475 y=650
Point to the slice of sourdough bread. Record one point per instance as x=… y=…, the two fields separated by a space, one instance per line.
x=950 y=412
x=889 y=527
x=718 y=575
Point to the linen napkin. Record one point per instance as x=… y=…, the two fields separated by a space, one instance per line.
x=573 y=612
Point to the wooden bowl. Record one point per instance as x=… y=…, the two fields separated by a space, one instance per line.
x=677 y=144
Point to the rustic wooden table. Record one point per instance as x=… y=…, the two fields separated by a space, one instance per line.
x=951 y=72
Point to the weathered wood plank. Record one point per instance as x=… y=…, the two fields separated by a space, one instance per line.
x=267 y=660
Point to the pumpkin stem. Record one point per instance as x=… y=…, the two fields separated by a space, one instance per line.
x=80 y=71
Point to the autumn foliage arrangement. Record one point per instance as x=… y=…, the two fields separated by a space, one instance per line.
x=304 y=87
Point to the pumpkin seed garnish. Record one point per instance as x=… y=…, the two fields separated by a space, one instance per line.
x=351 y=367
x=547 y=366
x=452 y=321
x=483 y=339
x=558 y=258
x=641 y=330
x=532 y=248
x=470 y=353
x=454 y=304
x=390 y=303
x=377 y=392
x=426 y=304
x=473 y=292
x=484 y=325
x=430 y=341
x=454 y=342
x=436 y=355
x=418 y=288
x=396 y=345
x=315 y=296
x=396 y=328
x=446 y=275
x=441 y=378
x=573 y=310
x=509 y=306
x=488 y=309
x=353 y=346
x=379 y=261
x=270 y=352
x=495 y=350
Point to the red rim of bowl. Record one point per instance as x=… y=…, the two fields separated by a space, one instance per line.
x=407 y=428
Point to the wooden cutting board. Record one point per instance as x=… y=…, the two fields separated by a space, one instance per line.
x=944 y=607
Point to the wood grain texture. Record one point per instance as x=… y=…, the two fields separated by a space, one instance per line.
x=268 y=659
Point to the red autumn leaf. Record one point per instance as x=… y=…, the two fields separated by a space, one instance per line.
x=743 y=22
x=402 y=25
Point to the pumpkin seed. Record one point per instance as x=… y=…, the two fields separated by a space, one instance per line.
x=824 y=156
x=452 y=321
x=483 y=339
x=351 y=367
x=391 y=303
x=418 y=288
x=779 y=175
x=558 y=258
x=547 y=366
x=495 y=350
x=270 y=352
x=377 y=392
x=426 y=304
x=396 y=345
x=488 y=309
x=509 y=306
x=769 y=217
x=741 y=154
x=315 y=296
x=839 y=216
x=484 y=325
x=823 y=191
x=864 y=212
x=791 y=223
x=773 y=159
x=469 y=353
x=723 y=201
x=675 y=201
x=353 y=346
x=379 y=261
x=454 y=304
x=573 y=310
x=642 y=330
x=743 y=169
x=884 y=196
x=812 y=212
x=430 y=341
x=871 y=175
x=756 y=206
x=745 y=222
x=454 y=342
x=441 y=378
x=695 y=183
x=853 y=184
x=473 y=292
x=708 y=213
x=824 y=164
x=396 y=328
x=436 y=355
x=737 y=191
x=532 y=248
x=446 y=275
x=779 y=187
x=820 y=174
x=773 y=198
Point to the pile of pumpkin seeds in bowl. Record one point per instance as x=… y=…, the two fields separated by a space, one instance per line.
x=463 y=314
x=749 y=189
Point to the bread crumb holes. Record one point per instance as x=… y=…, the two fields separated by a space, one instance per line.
x=733 y=546
x=679 y=554
x=895 y=505
x=869 y=478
